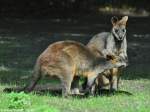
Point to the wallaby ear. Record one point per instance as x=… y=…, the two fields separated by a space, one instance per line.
x=114 y=20
x=124 y=20
x=110 y=57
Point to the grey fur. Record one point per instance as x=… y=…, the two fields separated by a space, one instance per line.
x=112 y=43
x=107 y=45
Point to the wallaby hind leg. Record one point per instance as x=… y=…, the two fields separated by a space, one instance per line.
x=66 y=85
x=114 y=80
x=90 y=81
x=75 y=85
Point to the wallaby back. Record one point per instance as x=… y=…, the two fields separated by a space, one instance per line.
x=67 y=59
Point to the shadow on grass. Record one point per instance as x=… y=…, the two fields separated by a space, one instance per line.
x=106 y=92
x=57 y=91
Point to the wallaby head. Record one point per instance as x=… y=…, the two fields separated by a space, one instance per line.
x=119 y=27
x=115 y=61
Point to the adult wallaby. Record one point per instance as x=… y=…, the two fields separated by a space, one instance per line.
x=67 y=59
x=111 y=43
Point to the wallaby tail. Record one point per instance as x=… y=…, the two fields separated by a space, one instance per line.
x=34 y=79
x=29 y=87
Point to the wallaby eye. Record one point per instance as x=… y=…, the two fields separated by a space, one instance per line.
x=116 y=30
x=123 y=30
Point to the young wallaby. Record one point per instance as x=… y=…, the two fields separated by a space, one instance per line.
x=111 y=43
x=67 y=59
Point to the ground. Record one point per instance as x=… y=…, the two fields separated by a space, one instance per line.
x=22 y=40
x=139 y=101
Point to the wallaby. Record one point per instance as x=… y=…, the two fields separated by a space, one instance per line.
x=111 y=43
x=67 y=59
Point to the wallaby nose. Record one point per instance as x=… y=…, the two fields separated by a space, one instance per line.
x=123 y=66
x=120 y=37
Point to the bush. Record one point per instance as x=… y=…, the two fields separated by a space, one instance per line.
x=18 y=100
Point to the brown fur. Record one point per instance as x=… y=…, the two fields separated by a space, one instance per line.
x=67 y=59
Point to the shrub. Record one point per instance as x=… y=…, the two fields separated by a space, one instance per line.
x=18 y=100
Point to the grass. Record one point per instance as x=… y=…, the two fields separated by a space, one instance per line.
x=120 y=102
x=139 y=101
x=17 y=60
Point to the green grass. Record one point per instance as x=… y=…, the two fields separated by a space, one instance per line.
x=139 y=101
x=17 y=60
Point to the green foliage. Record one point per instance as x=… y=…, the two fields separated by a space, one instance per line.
x=18 y=100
